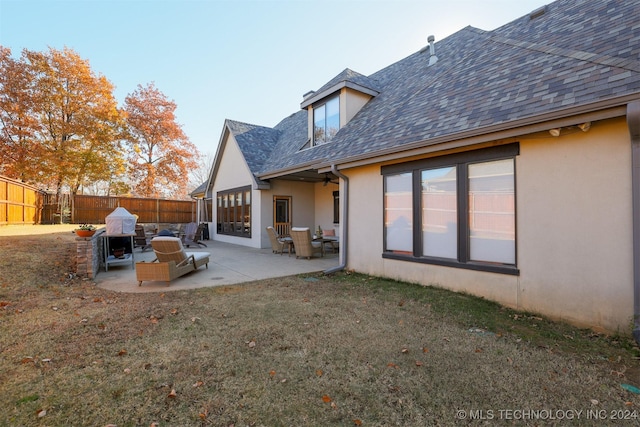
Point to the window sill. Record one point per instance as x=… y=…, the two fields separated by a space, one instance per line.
x=489 y=268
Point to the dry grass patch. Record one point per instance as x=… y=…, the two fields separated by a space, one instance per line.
x=304 y=351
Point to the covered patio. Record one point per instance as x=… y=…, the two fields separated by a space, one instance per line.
x=229 y=264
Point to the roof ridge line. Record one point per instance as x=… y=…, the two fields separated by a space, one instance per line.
x=249 y=124
x=580 y=55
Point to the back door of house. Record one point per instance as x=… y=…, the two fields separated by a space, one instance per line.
x=282 y=214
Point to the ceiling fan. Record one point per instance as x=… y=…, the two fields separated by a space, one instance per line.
x=327 y=179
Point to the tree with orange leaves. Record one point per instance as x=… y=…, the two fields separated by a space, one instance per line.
x=61 y=127
x=79 y=124
x=19 y=151
x=160 y=156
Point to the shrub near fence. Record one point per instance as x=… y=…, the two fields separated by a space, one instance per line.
x=94 y=209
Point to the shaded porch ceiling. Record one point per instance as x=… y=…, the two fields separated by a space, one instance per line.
x=311 y=175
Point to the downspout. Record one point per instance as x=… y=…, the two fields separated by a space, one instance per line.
x=633 y=122
x=344 y=199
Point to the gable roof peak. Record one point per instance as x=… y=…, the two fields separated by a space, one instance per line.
x=346 y=78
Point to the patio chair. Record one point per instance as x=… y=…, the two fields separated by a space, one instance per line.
x=277 y=245
x=171 y=261
x=193 y=235
x=333 y=242
x=141 y=240
x=303 y=244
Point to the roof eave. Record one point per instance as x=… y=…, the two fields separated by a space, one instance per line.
x=601 y=110
x=286 y=171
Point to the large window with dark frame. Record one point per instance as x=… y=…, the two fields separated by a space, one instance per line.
x=234 y=212
x=456 y=210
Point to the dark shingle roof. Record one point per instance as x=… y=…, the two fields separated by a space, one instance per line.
x=256 y=142
x=577 y=53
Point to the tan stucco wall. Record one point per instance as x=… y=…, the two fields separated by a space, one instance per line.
x=324 y=206
x=574 y=246
x=233 y=172
x=302 y=205
x=574 y=225
x=351 y=101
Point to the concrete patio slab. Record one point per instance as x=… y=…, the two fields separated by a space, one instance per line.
x=229 y=264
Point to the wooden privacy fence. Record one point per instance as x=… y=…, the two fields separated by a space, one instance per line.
x=94 y=209
x=20 y=203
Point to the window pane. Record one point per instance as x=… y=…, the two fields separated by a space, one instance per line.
x=333 y=118
x=439 y=213
x=234 y=213
x=398 y=208
x=319 y=124
x=247 y=212
x=492 y=212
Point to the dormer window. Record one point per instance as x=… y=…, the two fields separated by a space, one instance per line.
x=326 y=121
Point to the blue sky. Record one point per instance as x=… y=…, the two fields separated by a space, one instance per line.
x=249 y=61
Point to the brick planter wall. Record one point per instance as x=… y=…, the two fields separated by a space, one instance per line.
x=88 y=255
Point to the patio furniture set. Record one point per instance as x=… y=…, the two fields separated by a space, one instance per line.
x=173 y=261
x=302 y=242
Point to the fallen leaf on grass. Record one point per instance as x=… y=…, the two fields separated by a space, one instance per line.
x=251 y=344
x=418 y=363
x=357 y=422
x=594 y=401
x=326 y=399
x=27 y=359
x=122 y=352
x=479 y=350
x=272 y=373
x=174 y=311
x=425 y=350
x=319 y=372
x=42 y=413
x=172 y=394
x=392 y=365
x=405 y=350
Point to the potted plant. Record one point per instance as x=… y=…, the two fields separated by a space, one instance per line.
x=85 y=230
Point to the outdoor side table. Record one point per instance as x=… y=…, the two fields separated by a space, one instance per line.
x=127 y=258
